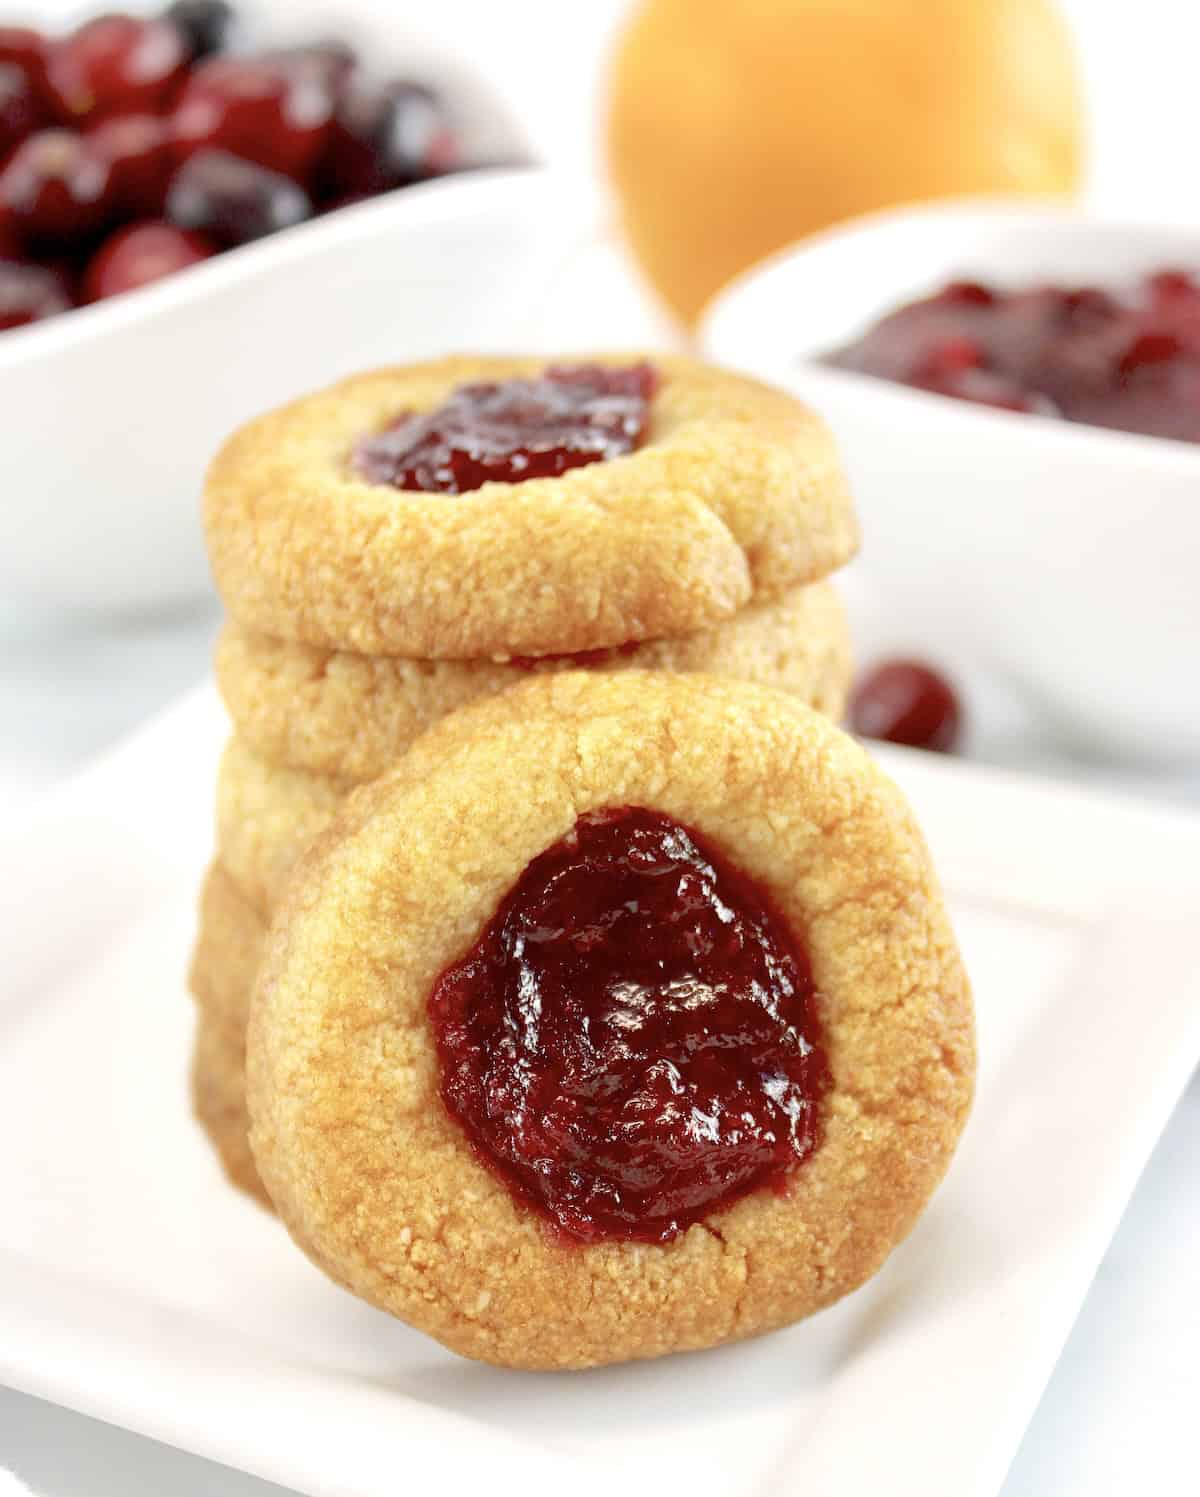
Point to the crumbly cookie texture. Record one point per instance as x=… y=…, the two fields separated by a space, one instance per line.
x=351 y=708
x=219 y=1101
x=737 y=493
x=228 y=950
x=224 y=964
x=266 y=817
x=376 y=1181
x=351 y=716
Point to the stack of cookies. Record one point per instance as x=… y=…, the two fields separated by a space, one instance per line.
x=416 y=539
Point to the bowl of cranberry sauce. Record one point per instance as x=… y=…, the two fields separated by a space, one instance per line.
x=1126 y=358
x=279 y=243
x=1015 y=389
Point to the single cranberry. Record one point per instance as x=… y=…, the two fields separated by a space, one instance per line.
x=116 y=64
x=967 y=294
x=56 y=189
x=633 y=1042
x=514 y=430
x=264 y=112
x=138 y=150
x=234 y=200
x=21 y=111
x=385 y=137
x=207 y=26
x=903 y=701
x=1149 y=349
x=29 y=293
x=139 y=254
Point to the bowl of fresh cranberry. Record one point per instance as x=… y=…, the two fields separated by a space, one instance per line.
x=204 y=211
x=1016 y=392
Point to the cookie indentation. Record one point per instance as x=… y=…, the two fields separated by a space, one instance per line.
x=633 y=1040
x=508 y=431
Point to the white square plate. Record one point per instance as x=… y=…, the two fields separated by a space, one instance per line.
x=136 y=1286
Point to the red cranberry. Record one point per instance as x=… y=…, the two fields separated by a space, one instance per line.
x=21 y=110
x=903 y=701
x=1149 y=349
x=386 y=137
x=116 y=64
x=137 y=148
x=234 y=200
x=261 y=111
x=56 y=189
x=633 y=1041
x=514 y=430
x=207 y=26
x=142 y=253
x=28 y=293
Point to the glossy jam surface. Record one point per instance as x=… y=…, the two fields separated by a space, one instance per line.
x=633 y=1042
x=1126 y=360
x=513 y=430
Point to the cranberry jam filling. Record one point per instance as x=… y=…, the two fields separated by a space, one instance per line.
x=515 y=429
x=633 y=1040
x=1127 y=361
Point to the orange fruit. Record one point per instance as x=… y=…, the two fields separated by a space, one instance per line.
x=738 y=126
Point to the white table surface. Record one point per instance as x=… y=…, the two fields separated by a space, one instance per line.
x=1119 y=1412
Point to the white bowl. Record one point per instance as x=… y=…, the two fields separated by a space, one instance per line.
x=1064 y=558
x=109 y=414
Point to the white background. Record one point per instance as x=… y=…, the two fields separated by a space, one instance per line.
x=1118 y=1414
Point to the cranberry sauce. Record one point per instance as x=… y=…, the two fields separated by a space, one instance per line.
x=1130 y=362
x=633 y=1041
x=516 y=429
